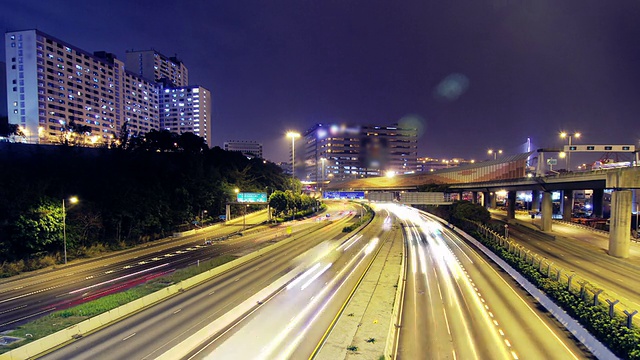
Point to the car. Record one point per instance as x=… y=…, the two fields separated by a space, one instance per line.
x=207 y=242
x=328 y=215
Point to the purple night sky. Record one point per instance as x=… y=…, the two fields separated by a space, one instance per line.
x=478 y=74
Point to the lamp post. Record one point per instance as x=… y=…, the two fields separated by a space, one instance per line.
x=72 y=200
x=322 y=160
x=495 y=153
x=293 y=135
x=244 y=216
x=567 y=135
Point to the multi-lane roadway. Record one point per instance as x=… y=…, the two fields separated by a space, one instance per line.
x=458 y=305
x=150 y=333
x=31 y=295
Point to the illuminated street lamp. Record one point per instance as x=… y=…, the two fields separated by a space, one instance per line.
x=72 y=200
x=293 y=135
x=567 y=135
x=495 y=153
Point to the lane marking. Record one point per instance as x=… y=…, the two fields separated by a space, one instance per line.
x=177 y=311
x=129 y=337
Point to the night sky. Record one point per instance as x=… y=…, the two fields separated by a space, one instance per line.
x=477 y=74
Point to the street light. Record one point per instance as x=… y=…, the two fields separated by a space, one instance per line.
x=495 y=153
x=72 y=200
x=322 y=160
x=293 y=135
x=567 y=135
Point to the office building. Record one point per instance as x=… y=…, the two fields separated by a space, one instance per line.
x=339 y=152
x=154 y=66
x=187 y=109
x=248 y=148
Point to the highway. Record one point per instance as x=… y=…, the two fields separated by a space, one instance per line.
x=572 y=250
x=457 y=305
x=31 y=295
x=292 y=322
x=151 y=332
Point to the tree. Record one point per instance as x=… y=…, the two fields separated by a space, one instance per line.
x=474 y=212
x=192 y=143
x=279 y=202
x=39 y=229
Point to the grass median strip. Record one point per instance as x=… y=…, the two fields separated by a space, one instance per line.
x=62 y=319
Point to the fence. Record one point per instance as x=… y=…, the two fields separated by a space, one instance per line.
x=573 y=282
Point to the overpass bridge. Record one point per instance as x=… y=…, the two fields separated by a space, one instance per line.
x=514 y=174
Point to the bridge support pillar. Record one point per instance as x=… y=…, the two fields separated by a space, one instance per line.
x=567 y=205
x=547 y=211
x=474 y=196
x=228 y=213
x=596 y=201
x=492 y=200
x=535 y=201
x=485 y=199
x=511 y=205
x=619 y=230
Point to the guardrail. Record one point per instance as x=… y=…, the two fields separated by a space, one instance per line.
x=391 y=347
x=569 y=279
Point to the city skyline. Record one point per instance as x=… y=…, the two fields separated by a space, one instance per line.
x=501 y=70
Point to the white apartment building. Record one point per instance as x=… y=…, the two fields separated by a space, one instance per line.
x=154 y=66
x=187 y=109
x=52 y=85
x=248 y=148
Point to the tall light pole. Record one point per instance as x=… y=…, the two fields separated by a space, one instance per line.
x=72 y=200
x=495 y=153
x=565 y=135
x=322 y=160
x=293 y=135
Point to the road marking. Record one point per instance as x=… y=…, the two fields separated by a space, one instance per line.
x=129 y=337
x=88 y=277
x=15 y=308
x=177 y=311
x=514 y=355
x=211 y=293
x=108 y=271
x=507 y=342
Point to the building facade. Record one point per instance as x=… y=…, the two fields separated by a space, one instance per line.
x=187 y=109
x=58 y=93
x=248 y=148
x=52 y=85
x=154 y=66
x=339 y=152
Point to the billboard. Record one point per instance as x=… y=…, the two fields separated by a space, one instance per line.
x=351 y=195
x=250 y=197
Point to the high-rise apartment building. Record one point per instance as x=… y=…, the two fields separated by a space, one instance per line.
x=248 y=148
x=51 y=84
x=336 y=152
x=187 y=109
x=3 y=89
x=59 y=93
x=154 y=66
